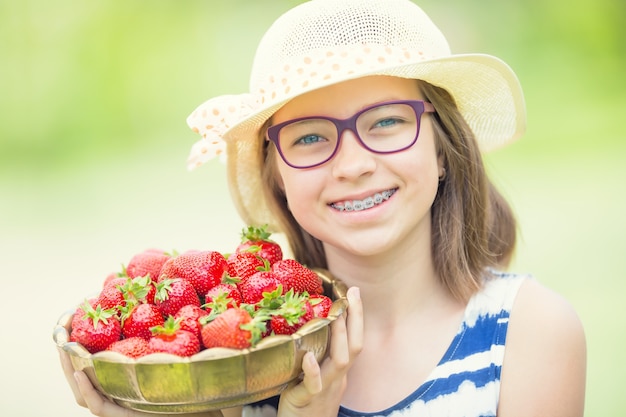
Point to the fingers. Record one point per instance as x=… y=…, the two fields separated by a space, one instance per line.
x=312 y=374
x=355 y=321
x=300 y=393
x=100 y=406
x=346 y=341
x=93 y=399
x=87 y=396
x=84 y=392
x=339 y=350
x=346 y=334
x=68 y=371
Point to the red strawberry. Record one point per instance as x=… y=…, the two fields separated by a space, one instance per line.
x=203 y=269
x=260 y=237
x=253 y=287
x=112 y=295
x=149 y=287
x=234 y=328
x=223 y=296
x=172 y=294
x=294 y=275
x=125 y=292
x=293 y=314
x=133 y=347
x=148 y=262
x=189 y=318
x=95 y=329
x=140 y=319
x=321 y=305
x=243 y=264
x=112 y=279
x=170 y=338
x=139 y=290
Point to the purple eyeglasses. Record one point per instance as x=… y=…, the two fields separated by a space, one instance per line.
x=387 y=127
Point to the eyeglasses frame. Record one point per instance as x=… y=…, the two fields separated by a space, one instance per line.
x=419 y=106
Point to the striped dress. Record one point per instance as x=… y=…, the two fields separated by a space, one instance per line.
x=466 y=382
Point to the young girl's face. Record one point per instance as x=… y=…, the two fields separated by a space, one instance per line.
x=398 y=189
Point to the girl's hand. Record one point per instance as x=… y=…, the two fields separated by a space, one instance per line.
x=87 y=396
x=319 y=393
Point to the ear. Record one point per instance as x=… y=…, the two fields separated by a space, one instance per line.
x=441 y=166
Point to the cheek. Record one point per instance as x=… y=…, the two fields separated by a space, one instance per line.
x=293 y=184
x=302 y=189
x=291 y=181
x=422 y=164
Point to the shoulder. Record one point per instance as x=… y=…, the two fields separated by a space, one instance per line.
x=545 y=359
x=538 y=310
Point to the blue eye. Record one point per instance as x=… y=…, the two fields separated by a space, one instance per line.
x=308 y=139
x=387 y=122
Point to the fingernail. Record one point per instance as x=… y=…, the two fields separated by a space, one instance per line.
x=353 y=294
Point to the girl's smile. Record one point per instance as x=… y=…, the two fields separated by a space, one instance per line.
x=363 y=203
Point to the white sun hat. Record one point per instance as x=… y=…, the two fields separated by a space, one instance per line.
x=323 y=42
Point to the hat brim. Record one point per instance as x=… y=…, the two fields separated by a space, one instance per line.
x=486 y=90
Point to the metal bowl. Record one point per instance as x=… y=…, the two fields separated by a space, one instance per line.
x=212 y=379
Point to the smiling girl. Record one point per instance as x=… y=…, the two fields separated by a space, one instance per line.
x=361 y=140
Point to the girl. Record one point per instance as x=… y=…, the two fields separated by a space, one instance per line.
x=361 y=141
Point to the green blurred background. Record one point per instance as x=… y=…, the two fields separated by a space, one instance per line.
x=93 y=142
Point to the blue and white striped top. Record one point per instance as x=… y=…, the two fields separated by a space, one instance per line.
x=466 y=382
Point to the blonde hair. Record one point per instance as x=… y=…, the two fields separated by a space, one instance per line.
x=473 y=227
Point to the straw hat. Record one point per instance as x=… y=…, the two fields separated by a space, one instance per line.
x=323 y=42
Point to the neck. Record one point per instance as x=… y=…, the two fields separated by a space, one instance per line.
x=393 y=284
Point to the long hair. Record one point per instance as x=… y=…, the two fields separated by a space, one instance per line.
x=473 y=227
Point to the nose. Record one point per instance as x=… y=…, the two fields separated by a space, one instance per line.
x=352 y=160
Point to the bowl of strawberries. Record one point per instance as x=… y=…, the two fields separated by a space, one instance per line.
x=201 y=330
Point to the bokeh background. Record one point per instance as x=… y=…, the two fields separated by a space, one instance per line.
x=93 y=143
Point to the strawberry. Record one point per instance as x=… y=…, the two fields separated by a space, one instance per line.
x=112 y=295
x=293 y=314
x=140 y=289
x=172 y=294
x=293 y=274
x=133 y=347
x=125 y=292
x=140 y=319
x=321 y=305
x=259 y=237
x=203 y=269
x=243 y=264
x=95 y=328
x=147 y=263
x=223 y=296
x=113 y=278
x=170 y=338
x=253 y=287
x=189 y=318
x=234 y=328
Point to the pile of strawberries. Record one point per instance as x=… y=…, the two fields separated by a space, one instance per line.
x=184 y=303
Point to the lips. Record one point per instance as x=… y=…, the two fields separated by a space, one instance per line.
x=364 y=204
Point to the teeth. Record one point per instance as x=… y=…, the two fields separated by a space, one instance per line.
x=366 y=203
